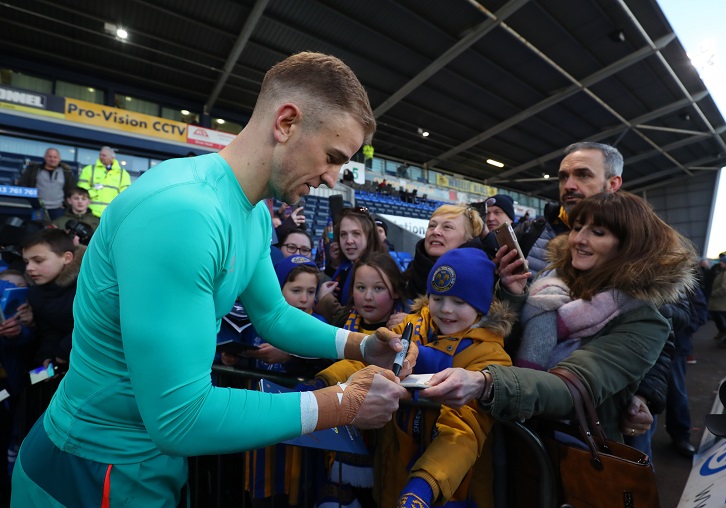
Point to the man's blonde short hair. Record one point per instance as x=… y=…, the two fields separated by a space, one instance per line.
x=323 y=84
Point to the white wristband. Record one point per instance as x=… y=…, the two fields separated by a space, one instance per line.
x=363 y=347
x=341 y=338
x=308 y=412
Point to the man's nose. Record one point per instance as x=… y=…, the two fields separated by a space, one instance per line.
x=329 y=179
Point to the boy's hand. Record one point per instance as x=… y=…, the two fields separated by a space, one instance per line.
x=10 y=328
x=396 y=319
x=25 y=314
x=229 y=359
x=269 y=354
x=326 y=288
x=297 y=217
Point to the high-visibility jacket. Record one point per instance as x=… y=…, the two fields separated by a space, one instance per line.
x=103 y=185
x=368 y=151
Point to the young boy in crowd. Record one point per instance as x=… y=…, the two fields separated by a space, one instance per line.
x=443 y=456
x=458 y=326
x=52 y=262
x=299 y=278
x=77 y=200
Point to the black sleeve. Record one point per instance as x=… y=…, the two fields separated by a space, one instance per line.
x=654 y=386
x=678 y=313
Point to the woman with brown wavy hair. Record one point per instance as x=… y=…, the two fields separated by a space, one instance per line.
x=594 y=313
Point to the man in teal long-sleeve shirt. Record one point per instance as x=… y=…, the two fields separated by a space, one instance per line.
x=169 y=258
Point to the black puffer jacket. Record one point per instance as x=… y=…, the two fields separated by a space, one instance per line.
x=654 y=386
x=418 y=271
x=52 y=306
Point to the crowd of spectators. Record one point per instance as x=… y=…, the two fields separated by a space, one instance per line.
x=474 y=311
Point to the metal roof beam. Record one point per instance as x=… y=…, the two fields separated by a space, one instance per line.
x=577 y=86
x=672 y=146
x=671 y=129
x=652 y=115
x=672 y=73
x=236 y=51
x=471 y=38
x=659 y=174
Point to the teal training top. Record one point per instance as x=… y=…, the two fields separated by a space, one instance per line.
x=166 y=264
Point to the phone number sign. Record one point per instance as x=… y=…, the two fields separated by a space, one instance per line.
x=21 y=192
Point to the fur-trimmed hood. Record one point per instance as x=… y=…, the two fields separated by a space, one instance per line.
x=661 y=282
x=499 y=320
x=71 y=271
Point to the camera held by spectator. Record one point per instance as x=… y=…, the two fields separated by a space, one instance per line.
x=83 y=231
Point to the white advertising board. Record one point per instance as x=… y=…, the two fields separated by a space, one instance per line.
x=706 y=485
x=415 y=226
x=358 y=169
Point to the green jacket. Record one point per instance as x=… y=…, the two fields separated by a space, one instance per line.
x=611 y=363
x=87 y=217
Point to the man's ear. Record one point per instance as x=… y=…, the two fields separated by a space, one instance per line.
x=614 y=183
x=67 y=257
x=288 y=118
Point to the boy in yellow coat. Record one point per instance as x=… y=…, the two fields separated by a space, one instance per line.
x=428 y=456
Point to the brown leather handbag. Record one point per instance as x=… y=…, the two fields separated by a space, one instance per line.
x=593 y=471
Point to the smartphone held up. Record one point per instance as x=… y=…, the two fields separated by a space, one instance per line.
x=504 y=234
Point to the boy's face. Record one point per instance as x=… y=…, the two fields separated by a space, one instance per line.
x=43 y=265
x=452 y=314
x=300 y=291
x=79 y=203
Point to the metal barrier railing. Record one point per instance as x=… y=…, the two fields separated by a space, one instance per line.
x=547 y=490
x=218 y=480
x=547 y=487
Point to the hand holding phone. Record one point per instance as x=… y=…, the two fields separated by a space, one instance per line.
x=401 y=355
x=505 y=236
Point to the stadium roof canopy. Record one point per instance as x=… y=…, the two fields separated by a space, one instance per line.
x=511 y=80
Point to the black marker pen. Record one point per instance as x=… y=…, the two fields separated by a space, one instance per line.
x=401 y=356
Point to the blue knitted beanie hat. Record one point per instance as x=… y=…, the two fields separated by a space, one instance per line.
x=285 y=266
x=465 y=273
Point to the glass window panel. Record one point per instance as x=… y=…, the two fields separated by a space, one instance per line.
x=377 y=166
x=182 y=115
x=87 y=156
x=133 y=164
x=139 y=105
x=226 y=126
x=416 y=174
x=19 y=80
x=32 y=148
x=80 y=92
